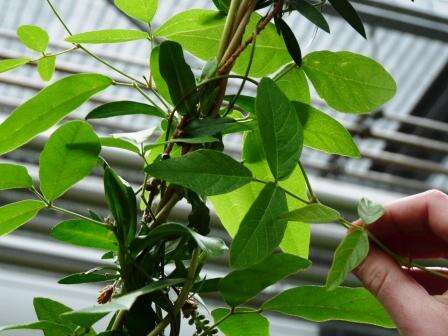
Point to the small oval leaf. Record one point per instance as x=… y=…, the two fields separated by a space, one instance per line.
x=33 y=37
x=46 y=67
x=370 y=211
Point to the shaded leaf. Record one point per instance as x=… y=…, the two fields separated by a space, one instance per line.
x=33 y=37
x=222 y=5
x=108 y=36
x=46 y=67
x=290 y=41
x=143 y=10
x=156 y=76
x=292 y=81
x=322 y=132
x=86 y=277
x=50 y=310
x=253 y=324
x=311 y=13
x=240 y=286
x=120 y=108
x=37 y=115
x=41 y=325
x=205 y=171
x=62 y=163
x=280 y=129
x=14 y=215
x=349 y=254
x=179 y=78
x=370 y=211
x=316 y=304
x=349 y=82
x=13 y=176
x=208 y=126
x=9 y=64
x=350 y=15
x=84 y=233
x=260 y=231
x=313 y=213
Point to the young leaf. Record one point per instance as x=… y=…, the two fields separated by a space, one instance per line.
x=349 y=82
x=33 y=37
x=14 y=215
x=70 y=154
x=46 y=67
x=37 y=115
x=142 y=10
x=120 y=108
x=120 y=198
x=322 y=132
x=88 y=316
x=349 y=254
x=313 y=213
x=261 y=229
x=87 y=277
x=9 y=64
x=156 y=76
x=370 y=211
x=179 y=78
x=108 y=36
x=199 y=32
x=290 y=41
x=292 y=81
x=240 y=286
x=205 y=171
x=50 y=310
x=350 y=15
x=280 y=129
x=247 y=319
x=13 y=176
x=84 y=233
x=311 y=13
x=316 y=304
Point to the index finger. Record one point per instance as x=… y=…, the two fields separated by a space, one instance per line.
x=415 y=226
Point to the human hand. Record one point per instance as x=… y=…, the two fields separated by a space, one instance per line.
x=413 y=227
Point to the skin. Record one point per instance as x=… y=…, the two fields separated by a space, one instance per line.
x=415 y=227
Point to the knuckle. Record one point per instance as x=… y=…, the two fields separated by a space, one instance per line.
x=375 y=277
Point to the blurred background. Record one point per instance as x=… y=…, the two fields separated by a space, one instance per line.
x=404 y=145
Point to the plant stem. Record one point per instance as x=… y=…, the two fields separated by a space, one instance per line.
x=74 y=214
x=118 y=323
x=308 y=184
x=228 y=28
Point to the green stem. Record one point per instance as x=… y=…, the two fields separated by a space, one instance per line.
x=228 y=28
x=118 y=323
x=286 y=191
x=74 y=214
x=308 y=184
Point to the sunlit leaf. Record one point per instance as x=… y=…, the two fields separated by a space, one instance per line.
x=46 y=67
x=292 y=81
x=14 y=215
x=50 y=310
x=142 y=10
x=13 y=176
x=120 y=108
x=247 y=319
x=313 y=213
x=33 y=37
x=10 y=64
x=108 y=36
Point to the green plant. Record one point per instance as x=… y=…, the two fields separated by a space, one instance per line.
x=264 y=203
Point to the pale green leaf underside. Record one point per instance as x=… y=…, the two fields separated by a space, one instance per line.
x=14 y=215
x=370 y=211
x=33 y=37
x=349 y=82
x=316 y=304
x=13 y=176
x=292 y=81
x=313 y=213
x=252 y=324
x=142 y=10
x=199 y=32
x=46 y=67
x=108 y=36
x=48 y=107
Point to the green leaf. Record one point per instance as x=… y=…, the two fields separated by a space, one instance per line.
x=108 y=36
x=290 y=41
x=115 y=141
x=261 y=229
x=310 y=12
x=179 y=78
x=313 y=213
x=143 y=10
x=88 y=316
x=13 y=176
x=350 y=15
x=247 y=103
x=292 y=81
x=199 y=32
x=46 y=67
x=120 y=108
x=156 y=76
x=205 y=171
x=322 y=132
x=70 y=154
x=253 y=323
x=222 y=5
x=132 y=141
x=86 y=277
x=208 y=126
x=120 y=198
x=41 y=325
x=9 y=64
x=349 y=255
x=242 y=285
x=370 y=211
x=212 y=246
x=349 y=82
x=33 y=37
x=37 y=114
x=14 y=215
x=50 y=310
x=316 y=304
x=85 y=233
x=280 y=129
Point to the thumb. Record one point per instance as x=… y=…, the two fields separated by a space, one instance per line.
x=406 y=301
